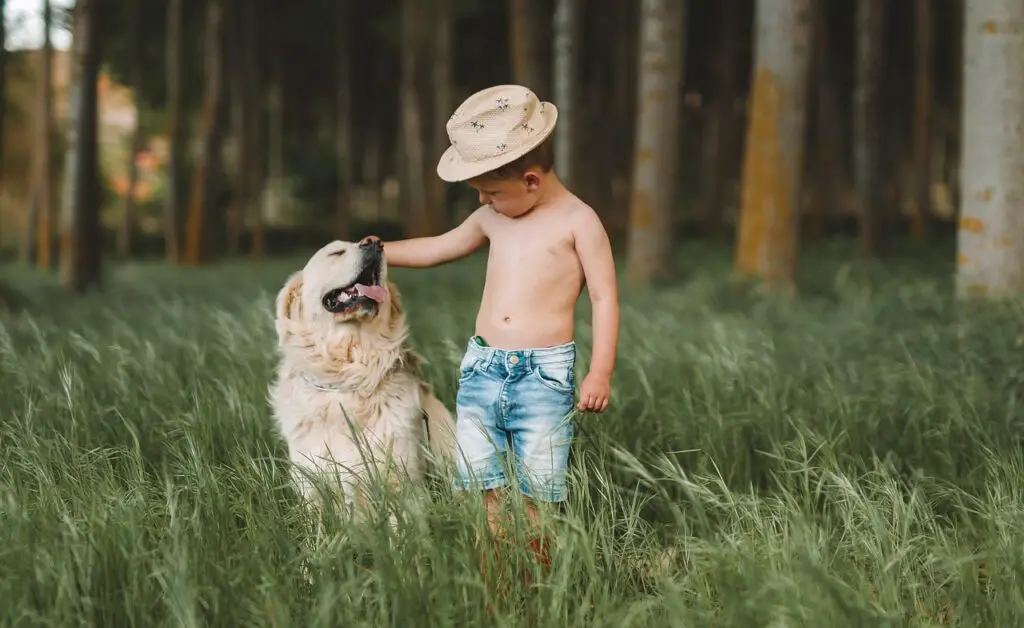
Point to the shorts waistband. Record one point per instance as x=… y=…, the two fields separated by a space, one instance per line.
x=564 y=353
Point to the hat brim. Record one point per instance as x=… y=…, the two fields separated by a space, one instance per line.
x=451 y=167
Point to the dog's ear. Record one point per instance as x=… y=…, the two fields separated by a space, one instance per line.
x=289 y=303
x=397 y=311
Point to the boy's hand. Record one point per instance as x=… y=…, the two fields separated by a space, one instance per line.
x=595 y=392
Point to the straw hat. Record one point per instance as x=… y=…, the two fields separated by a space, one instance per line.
x=493 y=127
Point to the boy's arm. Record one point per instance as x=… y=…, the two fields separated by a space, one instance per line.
x=435 y=250
x=595 y=252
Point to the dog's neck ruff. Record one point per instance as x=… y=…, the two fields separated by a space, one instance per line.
x=328 y=387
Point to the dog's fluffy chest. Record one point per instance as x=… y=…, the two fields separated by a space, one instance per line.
x=319 y=423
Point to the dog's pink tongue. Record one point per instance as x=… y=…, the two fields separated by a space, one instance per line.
x=377 y=293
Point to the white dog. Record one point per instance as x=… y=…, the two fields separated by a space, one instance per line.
x=347 y=398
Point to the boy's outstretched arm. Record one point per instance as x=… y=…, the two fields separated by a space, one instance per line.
x=595 y=254
x=435 y=250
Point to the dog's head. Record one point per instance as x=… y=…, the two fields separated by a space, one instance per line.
x=342 y=290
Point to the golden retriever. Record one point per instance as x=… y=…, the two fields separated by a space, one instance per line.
x=346 y=397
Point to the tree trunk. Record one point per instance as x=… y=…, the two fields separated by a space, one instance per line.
x=565 y=77
x=275 y=142
x=666 y=214
x=414 y=188
x=720 y=140
x=126 y=230
x=80 y=263
x=828 y=144
x=923 y=104
x=238 y=102
x=525 y=37
x=127 y=226
x=41 y=214
x=991 y=235
x=255 y=140
x=175 y=135
x=3 y=84
x=648 y=240
x=773 y=156
x=443 y=107
x=252 y=138
x=866 y=112
x=343 y=123
x=202 y=196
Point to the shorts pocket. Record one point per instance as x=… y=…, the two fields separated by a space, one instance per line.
x=468 y=367
x=557 y=377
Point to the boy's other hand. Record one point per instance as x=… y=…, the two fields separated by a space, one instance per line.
x=595 y=392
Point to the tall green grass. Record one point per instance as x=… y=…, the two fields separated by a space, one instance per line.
x=851 y=457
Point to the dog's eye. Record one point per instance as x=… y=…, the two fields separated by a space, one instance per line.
x=338 y=253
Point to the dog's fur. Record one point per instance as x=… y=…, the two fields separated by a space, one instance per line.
x=347 y=397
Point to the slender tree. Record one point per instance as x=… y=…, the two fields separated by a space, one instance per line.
x=866 y=113
x=769 y=211
x=991 y=235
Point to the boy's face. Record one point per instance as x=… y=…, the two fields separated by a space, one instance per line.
x=509 y=197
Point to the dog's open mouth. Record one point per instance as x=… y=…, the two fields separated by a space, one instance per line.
x=365 y=290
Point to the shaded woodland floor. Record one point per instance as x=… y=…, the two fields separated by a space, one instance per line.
x=851 y=456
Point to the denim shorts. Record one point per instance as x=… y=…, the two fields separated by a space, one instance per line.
x=517 y=402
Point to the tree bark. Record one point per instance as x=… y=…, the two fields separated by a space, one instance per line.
x=414 y=188
x=667 y=212
x=720 y=139
x=42 y=230
x=175 y=134
x=866 y=131
x=80 y=263
x=127 y=226
x=238 y=53
x=343 y=123
x=648 y=239
x=828 y=144
x=566 y=28
x=772 y=167
x=923 y=104
x=990 y=238
x=252 y=138
x=525 y=38
x=3 y=84
x=443 y=106
x=202 y=196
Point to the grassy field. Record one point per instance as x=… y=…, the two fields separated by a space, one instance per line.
x=848 y=458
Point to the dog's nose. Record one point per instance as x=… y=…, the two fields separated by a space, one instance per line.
x=371 y=242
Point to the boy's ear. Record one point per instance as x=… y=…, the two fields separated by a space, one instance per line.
x=532 y=181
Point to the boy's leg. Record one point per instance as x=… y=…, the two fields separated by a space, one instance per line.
x=541 y=430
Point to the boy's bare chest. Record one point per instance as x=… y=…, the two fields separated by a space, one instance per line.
x=532 y=247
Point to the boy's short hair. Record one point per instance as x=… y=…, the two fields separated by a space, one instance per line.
x=541 y=156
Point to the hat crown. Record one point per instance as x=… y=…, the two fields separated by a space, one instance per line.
x=495 y=121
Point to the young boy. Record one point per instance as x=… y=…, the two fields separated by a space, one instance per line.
x=516 y=384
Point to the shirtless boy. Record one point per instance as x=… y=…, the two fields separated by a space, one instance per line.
x=516 y=381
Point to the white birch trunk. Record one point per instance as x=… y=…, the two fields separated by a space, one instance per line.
x=990 y=239
x=645 y=245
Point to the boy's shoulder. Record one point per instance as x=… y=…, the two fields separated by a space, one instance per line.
x=581 y=217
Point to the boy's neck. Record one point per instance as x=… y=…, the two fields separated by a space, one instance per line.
x=551 y=189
